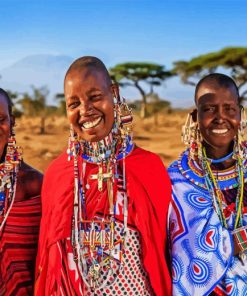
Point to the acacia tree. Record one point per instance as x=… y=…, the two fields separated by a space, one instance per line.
x=35 y=105
x=231 y=58
x=139 y=75
x=59 y=97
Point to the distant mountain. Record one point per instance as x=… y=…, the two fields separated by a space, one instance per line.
x=49 y=70
x=37 y=70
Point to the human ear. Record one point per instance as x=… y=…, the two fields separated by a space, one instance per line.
x=115 y=91
x=12 y=121
x=194 y=114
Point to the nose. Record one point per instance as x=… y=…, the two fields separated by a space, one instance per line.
x=220 y=115
x=85 y=108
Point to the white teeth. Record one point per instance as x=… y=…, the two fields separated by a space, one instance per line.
x=90 y=124
x=219 y=131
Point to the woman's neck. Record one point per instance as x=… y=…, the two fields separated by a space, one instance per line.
x=220 y=158
x=224 y=165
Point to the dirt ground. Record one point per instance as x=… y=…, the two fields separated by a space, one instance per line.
x=39 y=150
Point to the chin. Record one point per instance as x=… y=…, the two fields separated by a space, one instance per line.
x=95 y=134
x=92 y=138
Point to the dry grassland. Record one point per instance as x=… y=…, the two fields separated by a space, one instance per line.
x=40 y=150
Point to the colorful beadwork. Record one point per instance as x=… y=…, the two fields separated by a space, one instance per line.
x=240 y=236
x=217 y=195
x=191 y=170
x=93 y=240
x=8 y=178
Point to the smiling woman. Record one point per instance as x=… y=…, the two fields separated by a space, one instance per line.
x=98 y=200
x=208 y=212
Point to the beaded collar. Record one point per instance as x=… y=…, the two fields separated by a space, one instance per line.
x=96 y=152
x=190 y=169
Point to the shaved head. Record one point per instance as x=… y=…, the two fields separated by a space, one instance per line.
x=91 y=63
x=218 y=79
x=4 y=94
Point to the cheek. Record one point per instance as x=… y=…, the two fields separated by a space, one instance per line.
x=111 y=117
x=5 y=133
x=71 y=115
x=236 y=124
x=108 y=110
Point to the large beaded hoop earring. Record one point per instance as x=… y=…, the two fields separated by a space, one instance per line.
x=123 y=117
x=191 y=137
x=13 y=152
x=240 y=145
x=73 y=144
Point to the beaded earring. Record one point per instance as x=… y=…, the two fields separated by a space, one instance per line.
x=8 y=177
x=191 y=137
x=13 y=152
x=123 y=117
x=73 y=144
x=240 y=145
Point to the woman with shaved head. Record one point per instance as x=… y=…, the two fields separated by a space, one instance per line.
x=208 y=212
x=104 y=202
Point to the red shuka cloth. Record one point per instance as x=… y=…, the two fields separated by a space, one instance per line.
x=149 y=192
x=18 y=248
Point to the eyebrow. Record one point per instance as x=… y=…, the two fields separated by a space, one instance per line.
x=93 y=89
x=72 y=98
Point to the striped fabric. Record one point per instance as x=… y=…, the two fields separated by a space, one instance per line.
x=18 y=247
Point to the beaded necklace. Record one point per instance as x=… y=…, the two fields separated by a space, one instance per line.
x=219 y=160
x=8 y=179
x=217 y=195
x=194 y=172
x=93 y=240
x=239 y=231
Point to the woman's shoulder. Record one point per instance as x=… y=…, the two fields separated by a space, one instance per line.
x=29 y=182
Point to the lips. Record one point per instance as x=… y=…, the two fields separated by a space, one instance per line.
x=91 y=123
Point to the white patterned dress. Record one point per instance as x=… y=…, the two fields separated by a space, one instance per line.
x=201 y=249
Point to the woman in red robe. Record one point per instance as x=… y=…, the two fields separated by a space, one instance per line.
x=20 y=210
x=103 y=229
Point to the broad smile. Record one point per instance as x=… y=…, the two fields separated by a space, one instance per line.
x=219 y=131
x=91 y=123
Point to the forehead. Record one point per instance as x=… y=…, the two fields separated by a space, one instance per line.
x=3 y=104
x=86 y=78
x=212 y=92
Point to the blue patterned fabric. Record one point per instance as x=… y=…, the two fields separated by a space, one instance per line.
x=201 y=249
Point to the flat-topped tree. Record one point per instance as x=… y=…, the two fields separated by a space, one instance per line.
x=230 y=58
x=35 y=105
x=140 y=75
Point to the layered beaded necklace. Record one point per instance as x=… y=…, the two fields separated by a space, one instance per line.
x=8 y=179
x=94 y=240
x=217 y=195
x=239 y=230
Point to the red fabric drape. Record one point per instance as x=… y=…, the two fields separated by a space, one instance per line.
x=149 y=192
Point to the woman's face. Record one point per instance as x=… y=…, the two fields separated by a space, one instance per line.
x=5 y=124
x=218 y=116
x=89 y=101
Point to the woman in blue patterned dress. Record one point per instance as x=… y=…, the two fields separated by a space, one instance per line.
x=208 y=212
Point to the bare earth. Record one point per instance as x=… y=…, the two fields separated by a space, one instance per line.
x=40 y=150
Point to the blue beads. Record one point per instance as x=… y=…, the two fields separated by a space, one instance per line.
x=2 y=200
x=2 y=196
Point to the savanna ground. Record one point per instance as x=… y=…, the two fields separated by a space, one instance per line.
x=163 y=138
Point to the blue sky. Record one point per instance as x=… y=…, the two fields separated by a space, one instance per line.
x=119 y=31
